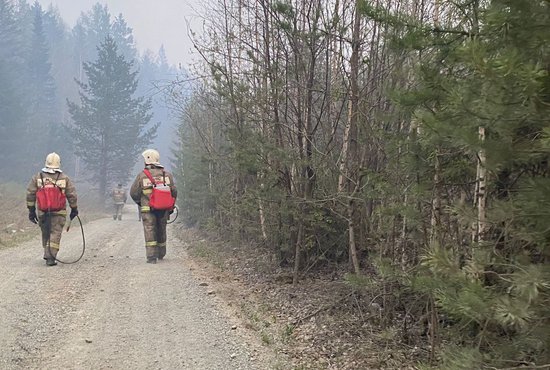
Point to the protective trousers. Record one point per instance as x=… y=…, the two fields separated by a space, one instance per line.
x=51 y=225
x=118 y=211
x=154 y=228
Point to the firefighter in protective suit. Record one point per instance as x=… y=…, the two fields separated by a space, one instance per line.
x=119 y=197
x=51 y=222
x=154 y=221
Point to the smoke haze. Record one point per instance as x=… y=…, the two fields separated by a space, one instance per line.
x=154 y=23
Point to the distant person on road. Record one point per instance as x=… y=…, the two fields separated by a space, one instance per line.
x=119 y=197
x=49 y=190
x=155 y=193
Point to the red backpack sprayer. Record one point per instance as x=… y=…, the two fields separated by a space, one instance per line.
x=50 y=198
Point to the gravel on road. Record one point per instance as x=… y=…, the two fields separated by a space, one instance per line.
x=112 y=310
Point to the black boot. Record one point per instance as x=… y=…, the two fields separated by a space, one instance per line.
x=51 y=262
x=151 y=260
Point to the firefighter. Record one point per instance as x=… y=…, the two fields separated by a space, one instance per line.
x=119 y=198
x=51 y=218
x=154 y=220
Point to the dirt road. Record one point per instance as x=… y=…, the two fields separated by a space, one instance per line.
x=112 y=310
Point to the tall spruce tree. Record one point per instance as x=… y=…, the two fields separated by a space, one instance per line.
x=95 y=25
x=61 y=53
x=13 y=111
x=124 y=38
x=44 y=117
x=110 y=125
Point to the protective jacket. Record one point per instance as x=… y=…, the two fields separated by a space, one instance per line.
x=118 y=195
x=60 y=179
x=142 y=187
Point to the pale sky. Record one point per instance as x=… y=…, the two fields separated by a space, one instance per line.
x=154 y=22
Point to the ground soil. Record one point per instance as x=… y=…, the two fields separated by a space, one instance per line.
x=112 y=310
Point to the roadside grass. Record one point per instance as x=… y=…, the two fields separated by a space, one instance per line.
x=15 y=227
x=286 y=334
x=321 y=323
x=255 y=314
x=204 y=250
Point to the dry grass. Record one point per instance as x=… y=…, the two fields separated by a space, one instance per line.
x=14 y=224
x=321 y=323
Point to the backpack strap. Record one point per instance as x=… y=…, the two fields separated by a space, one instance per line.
x=55 y=182
x=148 y=174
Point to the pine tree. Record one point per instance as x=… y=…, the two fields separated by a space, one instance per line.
x=110 y=124
x=493 y=78
x=122 y=34
x=95 y=25
x=163 y=60
x=156 y=79
x=41 y=86
x=61 y=55
x=12 y=116
x=10 y=35
x=13 y=113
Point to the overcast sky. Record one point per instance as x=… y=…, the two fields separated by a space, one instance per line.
x=154 y=22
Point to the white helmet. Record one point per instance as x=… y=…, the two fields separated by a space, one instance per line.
x=53 y=161
x=151 y=156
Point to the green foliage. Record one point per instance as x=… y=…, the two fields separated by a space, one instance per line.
x=286 y=335
x=196 y=167
x=284 y=8
x=512 y=303
x=459 y=358
x=496 y=291
x=355 y=280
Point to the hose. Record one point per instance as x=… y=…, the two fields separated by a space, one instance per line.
x=49 y=225
x=170 y=219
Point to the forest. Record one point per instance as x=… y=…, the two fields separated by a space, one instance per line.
x=54 y=76
x=405 y=142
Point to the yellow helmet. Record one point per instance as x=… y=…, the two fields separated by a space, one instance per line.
x=151 y=156
x=53 y=161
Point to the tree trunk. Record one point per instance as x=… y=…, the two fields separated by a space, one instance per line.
x=297 y=253
x=350 y=143
x=436 y=201
x=351 y=238
x=480 y=199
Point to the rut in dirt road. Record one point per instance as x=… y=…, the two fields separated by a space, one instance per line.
x=112 y=310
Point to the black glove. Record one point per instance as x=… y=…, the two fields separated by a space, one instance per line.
x=32 y=215
x=74 y=213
